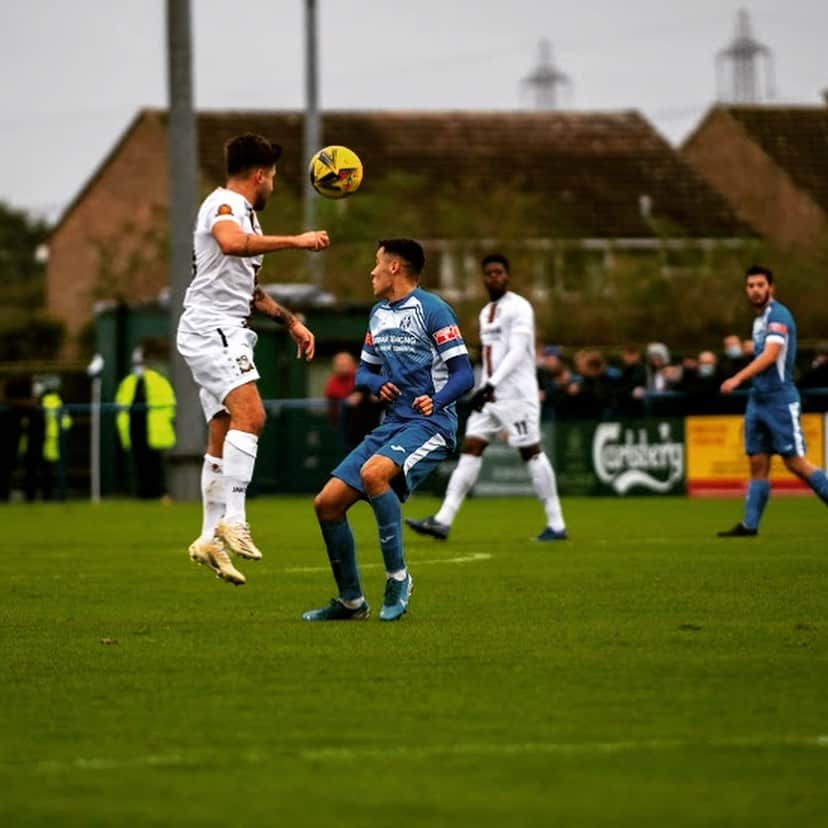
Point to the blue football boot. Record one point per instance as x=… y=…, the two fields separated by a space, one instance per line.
x=395 y=601
x=550 y=534
x=337 y=611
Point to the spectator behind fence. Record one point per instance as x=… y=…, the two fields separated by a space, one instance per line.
x=631 y=384
x=817 y=375
x=354 y=412
x=701 y=385
x=340 y=384
x=593 y=389
x=548 y=368
x=41 y=438
x=547 y=362
x=556 y=401
x=662 y=377
x=659 y=375
x=733 y=356
x=145 y=424
x=814 y=381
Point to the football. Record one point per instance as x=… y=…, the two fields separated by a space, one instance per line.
x=335 y=172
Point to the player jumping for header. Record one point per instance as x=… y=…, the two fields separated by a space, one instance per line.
x=217 y=345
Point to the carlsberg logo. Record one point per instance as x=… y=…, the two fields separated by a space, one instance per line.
x=624 y=460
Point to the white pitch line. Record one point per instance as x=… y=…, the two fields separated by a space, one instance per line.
x=342 y=754
x=473 y=558
x=383 y=753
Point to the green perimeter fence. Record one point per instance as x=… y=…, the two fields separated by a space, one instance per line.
x=302 y=442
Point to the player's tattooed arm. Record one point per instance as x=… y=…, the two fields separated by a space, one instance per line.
x=270 y=307
x=302 y=336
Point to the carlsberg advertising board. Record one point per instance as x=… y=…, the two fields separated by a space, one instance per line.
x=621 y=457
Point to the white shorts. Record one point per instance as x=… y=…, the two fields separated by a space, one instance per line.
x=220 y=360
x=519 y=418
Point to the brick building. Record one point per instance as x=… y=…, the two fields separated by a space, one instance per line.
x=600 y=184
x=771 y=163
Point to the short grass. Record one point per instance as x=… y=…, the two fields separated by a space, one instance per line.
x=642 y=673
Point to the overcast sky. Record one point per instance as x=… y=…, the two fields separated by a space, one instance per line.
x=74 y=73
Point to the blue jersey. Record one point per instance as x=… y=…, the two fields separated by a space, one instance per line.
x=410 y=341
x=775 y=324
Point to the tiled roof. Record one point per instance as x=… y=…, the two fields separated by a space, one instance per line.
x=589 y=169
x=796 y=138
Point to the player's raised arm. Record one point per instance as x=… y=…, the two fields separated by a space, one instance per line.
x=233 y=241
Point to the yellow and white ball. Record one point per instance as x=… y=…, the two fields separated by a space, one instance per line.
x=335 y=172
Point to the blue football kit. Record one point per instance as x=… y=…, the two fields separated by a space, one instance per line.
x=416 y=344
x=772 y=418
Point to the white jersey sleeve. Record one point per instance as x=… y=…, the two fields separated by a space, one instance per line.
x=507 y=334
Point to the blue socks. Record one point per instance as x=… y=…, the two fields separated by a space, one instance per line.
x=757 y=498
x=389 y=522
x=339 y=541
x=819 y=483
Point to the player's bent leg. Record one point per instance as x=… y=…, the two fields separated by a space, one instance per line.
x=462 y=479
x=212 y=485
x=460 y=483
x=377 y=474
x=810 y=474
x=331 y=506
x=240 y=448
x=213 y=499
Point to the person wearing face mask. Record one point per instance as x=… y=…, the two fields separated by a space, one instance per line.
x=701 y=384
x=734 y=357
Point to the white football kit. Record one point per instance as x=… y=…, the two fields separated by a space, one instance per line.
x=213 y=336
x=507 y=334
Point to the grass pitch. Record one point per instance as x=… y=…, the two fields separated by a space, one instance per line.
x=642 y=673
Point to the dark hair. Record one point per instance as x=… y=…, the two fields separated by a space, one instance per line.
x=249 y=151
x=758 y=270
x=495 y=258
x=410 y=251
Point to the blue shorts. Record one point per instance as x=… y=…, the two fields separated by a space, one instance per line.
x=415 y=446
x=774 y=427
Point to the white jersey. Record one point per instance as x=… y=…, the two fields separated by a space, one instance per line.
x=506 y=325
x=222 y=287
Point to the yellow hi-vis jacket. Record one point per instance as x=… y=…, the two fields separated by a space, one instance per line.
x=55 y=421
x=160 y=410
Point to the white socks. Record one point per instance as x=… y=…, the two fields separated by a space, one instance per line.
x=546 y=488
x=240 y=449
x=461 y=480
x=212 y=495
